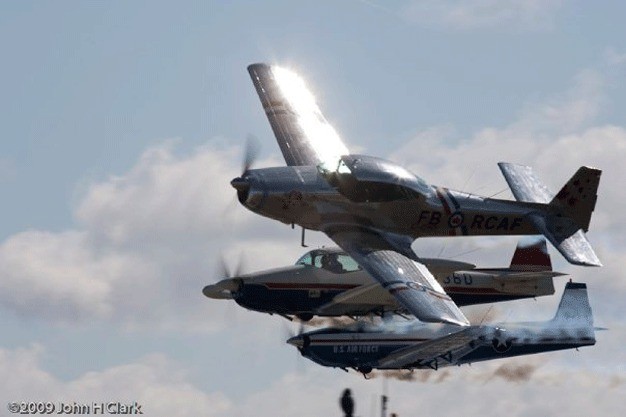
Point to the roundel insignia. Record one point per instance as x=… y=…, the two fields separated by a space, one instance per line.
x=456 y=219
x=500 y=342
x=501 y=346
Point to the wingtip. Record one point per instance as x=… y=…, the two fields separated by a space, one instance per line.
x=258 y=66
x=504 y=165
x=585 y=262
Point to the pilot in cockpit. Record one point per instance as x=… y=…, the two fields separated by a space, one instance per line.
x=330 y=263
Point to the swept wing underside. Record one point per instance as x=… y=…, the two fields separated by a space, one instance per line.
x=408 y=280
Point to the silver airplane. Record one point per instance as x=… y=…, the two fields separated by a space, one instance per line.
x=373 y=209
x=428 y=345
x=327 y=282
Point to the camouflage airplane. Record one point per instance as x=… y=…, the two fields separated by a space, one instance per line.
x=427 y=345
x=373 y=209
x=327 y=282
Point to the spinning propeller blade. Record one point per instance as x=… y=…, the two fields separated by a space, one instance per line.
x=251 y=153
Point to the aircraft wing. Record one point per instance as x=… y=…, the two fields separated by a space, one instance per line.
x=450 y=348
x=305 y=137
x=371 y=294
x=408 y=280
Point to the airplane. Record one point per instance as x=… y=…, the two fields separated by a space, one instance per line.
x=327 y=282
x=374 y=209
x=429 y=345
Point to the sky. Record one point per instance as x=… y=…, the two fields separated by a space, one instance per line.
x=123 y=123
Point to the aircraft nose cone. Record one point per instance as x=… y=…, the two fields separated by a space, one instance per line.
x=296 y=341
x=207 y=291
x=213 y=291
x=223 y=290
x=240 y=184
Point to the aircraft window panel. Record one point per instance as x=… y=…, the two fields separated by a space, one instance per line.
x=348 y=264
x=305 y=260
x=343 y=168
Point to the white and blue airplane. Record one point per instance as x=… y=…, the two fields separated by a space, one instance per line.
x=418 y=345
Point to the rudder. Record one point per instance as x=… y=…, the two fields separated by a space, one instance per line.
x=531 y=257
x=574 y=309
x=578 y=196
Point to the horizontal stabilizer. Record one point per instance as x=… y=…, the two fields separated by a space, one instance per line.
x=573 y=246
x=524 y=276
x=566 y=216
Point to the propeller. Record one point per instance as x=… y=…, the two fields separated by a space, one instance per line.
x=251 y=153
x=289 y=332
x=293 y=338
x=225 y=271
x=241 y=183
x=227 y=287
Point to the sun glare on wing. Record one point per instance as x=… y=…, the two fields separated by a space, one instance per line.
x=322 y=136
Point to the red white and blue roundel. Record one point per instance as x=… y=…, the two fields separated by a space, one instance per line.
x=456 y=219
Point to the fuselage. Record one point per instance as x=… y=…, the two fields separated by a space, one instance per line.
x=301 y=195
x=305 y=291
x=321 y=281
x=365 y=350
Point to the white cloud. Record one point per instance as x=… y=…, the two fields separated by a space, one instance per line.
x=164 y=196
x=46 y=274
x=474 y=14
x=154 y=381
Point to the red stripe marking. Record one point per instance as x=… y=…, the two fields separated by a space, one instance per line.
x=296 y=286
x=444 y=202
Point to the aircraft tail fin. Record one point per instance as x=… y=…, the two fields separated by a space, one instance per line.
x=578 y=196
x=574 y=309
x=567 y=214
x=531 y=257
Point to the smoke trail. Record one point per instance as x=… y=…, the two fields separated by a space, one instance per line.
x=419 y=375
x=514 y=373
